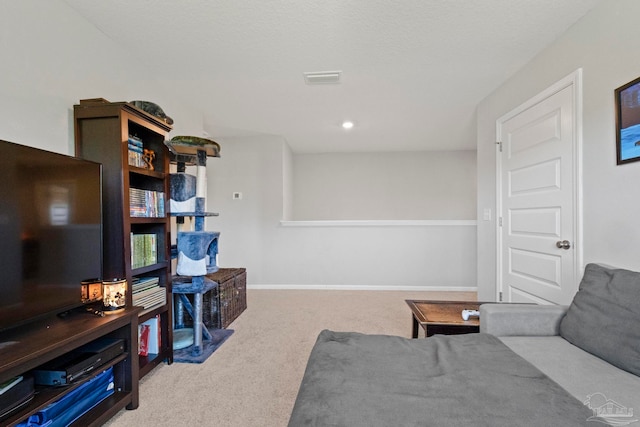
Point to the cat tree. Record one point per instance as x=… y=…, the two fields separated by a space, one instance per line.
x=196 y=249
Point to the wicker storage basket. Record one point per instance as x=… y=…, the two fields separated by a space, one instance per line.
x=231 y=296
x=223 y=304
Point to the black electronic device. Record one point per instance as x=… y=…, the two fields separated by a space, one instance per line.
x=69 y=367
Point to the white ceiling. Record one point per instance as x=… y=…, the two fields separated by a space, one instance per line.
x=413 y=71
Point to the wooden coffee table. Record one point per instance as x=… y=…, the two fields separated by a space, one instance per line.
x=443 y=317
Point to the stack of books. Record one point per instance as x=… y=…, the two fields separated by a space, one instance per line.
x=146 y=203
x=135 y=152
x=147 y=293
x=144 y=250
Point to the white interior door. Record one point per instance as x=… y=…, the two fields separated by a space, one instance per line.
x=538 y=197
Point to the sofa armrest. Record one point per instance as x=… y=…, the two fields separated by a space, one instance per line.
x=521 y=319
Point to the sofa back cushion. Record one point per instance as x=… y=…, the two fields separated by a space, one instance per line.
x=604 y=317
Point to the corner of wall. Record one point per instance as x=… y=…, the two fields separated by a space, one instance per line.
x=287 y=181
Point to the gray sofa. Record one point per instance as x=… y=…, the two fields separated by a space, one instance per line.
x=529 y=366
x=590 y=348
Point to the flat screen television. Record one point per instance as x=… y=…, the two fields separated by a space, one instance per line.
x=50 y=232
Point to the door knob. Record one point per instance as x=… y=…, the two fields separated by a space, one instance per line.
x=563 y=244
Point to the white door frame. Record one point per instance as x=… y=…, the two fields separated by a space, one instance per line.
x=574 y=79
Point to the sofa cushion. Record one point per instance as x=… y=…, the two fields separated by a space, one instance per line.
x=604 y=317
x=580 y=373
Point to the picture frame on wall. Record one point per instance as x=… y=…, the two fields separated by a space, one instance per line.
x=627 y=99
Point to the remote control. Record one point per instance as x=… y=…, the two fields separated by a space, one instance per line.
x=468 y=313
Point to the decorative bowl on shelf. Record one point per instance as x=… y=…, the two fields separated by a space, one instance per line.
x=190 y=145
x=153 y=109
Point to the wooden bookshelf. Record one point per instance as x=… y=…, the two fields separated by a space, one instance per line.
x=102 y=134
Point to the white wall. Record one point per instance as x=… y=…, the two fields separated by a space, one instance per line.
x=605 y=44
x=385 y=186
x=52 y=58
x=420 y=257
x=253 y=166
x=370 y=255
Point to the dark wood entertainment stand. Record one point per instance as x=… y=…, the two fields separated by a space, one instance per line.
x=29 y=346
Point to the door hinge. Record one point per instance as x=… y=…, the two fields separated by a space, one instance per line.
x=499 y=144
x=500 y=222
x=500 y=296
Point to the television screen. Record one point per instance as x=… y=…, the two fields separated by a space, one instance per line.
x=50 y=231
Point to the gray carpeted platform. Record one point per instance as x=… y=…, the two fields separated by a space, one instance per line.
x=218 y=337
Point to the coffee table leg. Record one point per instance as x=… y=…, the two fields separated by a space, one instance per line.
x=414 y=333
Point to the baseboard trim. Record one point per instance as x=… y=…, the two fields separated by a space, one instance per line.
x=366 y=288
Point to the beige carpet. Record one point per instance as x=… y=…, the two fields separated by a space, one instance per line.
x=253 y=378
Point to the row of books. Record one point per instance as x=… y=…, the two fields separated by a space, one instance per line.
x=136 y=150
x=149 y=337
x=146 y=203
x=147 y=293
x=144 y=250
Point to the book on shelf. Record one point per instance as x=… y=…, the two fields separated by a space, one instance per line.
x=144 y=249
x=143 y=340
x=146 y=203
x=135 y=159
x=8 y=385
x=146 y=292
x=142 y=283
x=140 y=295
x=149 y=337
x=136 y=149
x=157 y=299
x=135 y=141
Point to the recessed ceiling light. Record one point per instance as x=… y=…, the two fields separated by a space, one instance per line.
x=347 y=124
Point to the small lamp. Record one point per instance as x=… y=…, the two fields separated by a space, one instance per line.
x=114 y=293
x=91 y=290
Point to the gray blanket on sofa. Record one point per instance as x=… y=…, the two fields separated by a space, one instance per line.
x=354 y=380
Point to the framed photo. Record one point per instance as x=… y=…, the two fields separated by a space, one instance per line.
x=628 y=122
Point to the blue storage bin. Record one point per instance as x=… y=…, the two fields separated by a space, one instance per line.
x=74 y=404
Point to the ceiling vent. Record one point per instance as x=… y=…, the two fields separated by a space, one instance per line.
x=322 y=77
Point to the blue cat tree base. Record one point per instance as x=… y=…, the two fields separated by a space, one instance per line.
x=181 y=286
x=218 y=336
